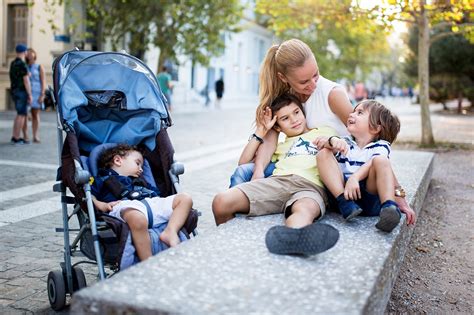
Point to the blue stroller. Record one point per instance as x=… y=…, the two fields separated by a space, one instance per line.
x=105 y=98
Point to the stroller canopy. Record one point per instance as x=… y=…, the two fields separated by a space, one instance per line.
x=108 y=97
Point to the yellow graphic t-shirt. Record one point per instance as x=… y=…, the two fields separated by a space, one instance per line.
x=297 y=155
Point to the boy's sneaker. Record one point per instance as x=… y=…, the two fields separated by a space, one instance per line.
x=13 y=141
x=348 y=208
x=309 y=240
x=389 y=216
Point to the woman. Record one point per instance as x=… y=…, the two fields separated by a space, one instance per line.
x=292 y=67
x=38 y=88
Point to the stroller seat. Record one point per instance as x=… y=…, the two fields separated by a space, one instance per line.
x=91 y=163
x=104 y=98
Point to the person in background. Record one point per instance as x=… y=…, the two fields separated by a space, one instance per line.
x=21 y=92
x=38 y=89
x=219 y=92
x=164 y=80
x=360 y=92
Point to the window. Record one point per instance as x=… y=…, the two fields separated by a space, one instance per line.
x=17 y=27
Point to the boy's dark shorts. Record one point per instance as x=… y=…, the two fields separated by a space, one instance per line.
x=21 y=102
x=369 y=203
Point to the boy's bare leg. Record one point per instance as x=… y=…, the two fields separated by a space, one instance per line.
x=24 y=129
x=303 y=213
x=380 y=179
x=226 y=204
x=35 y=115
x=182 y=205
x=138 y=224
x=330 y=172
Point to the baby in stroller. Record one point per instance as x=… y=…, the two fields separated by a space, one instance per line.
x=121 y=190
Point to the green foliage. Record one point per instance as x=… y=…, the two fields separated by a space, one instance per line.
x=190 y=27
x=451 y=63
x=341 y=39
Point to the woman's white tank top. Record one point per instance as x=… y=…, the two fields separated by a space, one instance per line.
x=318 y=112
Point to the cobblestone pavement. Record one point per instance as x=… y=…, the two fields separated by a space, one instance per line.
x=207 y=141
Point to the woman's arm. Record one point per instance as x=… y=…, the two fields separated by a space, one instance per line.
x=264 y=154
x=340 y=104
x=43 y=84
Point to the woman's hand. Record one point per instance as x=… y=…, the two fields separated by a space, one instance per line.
x=352 y=189
x=268 y=123
x=41 y=98
x=405 y=208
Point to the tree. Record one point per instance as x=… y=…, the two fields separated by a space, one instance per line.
x=346 y=46
x=189 y=27
x=451 y=65
x=427 y=17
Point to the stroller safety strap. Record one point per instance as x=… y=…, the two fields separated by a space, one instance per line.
x=150 y=214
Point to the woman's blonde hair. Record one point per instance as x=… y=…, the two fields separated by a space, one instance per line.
x=281 y=58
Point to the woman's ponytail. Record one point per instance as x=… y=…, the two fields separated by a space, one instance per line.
x=270 y=86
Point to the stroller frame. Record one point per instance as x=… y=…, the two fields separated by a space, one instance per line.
x=70 y=278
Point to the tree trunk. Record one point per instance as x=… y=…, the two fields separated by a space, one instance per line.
x=460 y=98
x=427 y=138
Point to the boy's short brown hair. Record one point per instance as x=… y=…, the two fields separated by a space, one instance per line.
x=285 y=100
x=379 y=115
x=107 y=157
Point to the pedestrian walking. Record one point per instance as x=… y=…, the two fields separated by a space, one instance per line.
x=164 y=80
x=219 y=86
x=20 y=91
x=38 y=88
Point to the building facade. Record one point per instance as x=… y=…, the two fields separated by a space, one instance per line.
x=27 y=22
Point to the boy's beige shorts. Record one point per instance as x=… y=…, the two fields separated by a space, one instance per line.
x=276 y=193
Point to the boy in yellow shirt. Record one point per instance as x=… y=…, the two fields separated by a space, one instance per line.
x=294 y=189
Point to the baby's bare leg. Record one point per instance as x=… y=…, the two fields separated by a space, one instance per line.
x=303 y=213
x=138 y=225
x=182 y=205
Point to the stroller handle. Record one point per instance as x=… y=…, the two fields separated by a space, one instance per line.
x=81 y=176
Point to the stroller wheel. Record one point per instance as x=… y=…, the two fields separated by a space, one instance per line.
x=78 y=279
x=56 y=290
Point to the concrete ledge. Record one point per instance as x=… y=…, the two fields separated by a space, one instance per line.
x=230 y=270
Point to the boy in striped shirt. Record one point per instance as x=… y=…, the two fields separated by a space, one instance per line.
x=357 y=170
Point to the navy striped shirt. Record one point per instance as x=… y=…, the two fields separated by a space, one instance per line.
x=358 y=156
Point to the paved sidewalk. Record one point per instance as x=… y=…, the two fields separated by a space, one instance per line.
x=208 y=141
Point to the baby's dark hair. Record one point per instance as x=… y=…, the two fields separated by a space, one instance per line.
x=285 y=100
x=379 y=115
x=106 y=159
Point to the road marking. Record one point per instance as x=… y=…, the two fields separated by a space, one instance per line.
x=208 y=150
x=29 y=210
x=26 y=191
x=29 y=164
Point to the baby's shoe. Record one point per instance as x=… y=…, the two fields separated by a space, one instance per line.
x=389 y=216
x=349 y=209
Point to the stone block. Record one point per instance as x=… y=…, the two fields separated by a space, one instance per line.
x=229 y=270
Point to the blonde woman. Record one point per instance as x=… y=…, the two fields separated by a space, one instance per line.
x=38 y=88
x=291 y=67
